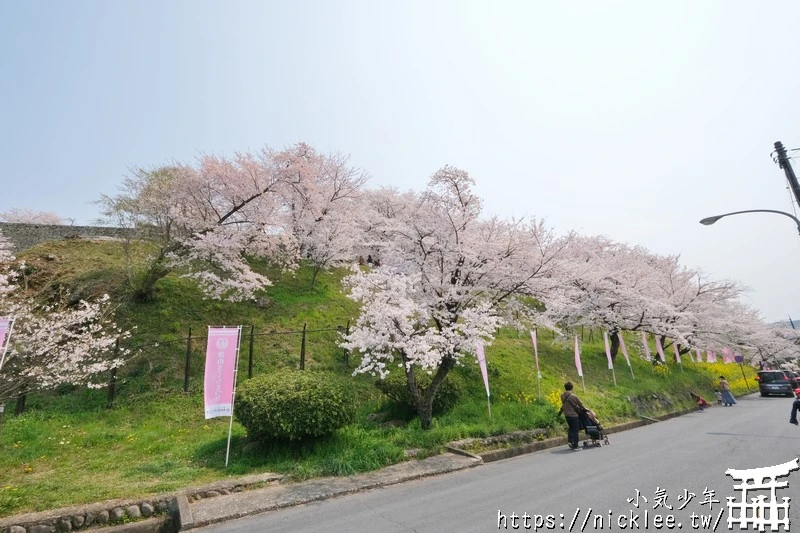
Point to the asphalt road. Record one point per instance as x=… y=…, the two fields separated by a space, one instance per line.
x=586 y=490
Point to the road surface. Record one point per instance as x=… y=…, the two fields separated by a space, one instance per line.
x=662 y=477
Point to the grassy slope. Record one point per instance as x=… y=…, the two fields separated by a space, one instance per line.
x=68 y=448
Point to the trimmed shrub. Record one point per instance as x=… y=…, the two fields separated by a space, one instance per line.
x=294 y=404
x=395 y=387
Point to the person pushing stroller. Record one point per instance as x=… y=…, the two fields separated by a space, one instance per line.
x=578 y=417
x=573 y=408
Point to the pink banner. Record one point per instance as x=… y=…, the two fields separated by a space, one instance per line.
x=698 y=355
x=482 y=363
x=608 y=351
x=677 y=351
x=578 y=357
x=623 y=348
x=727 y=355
x=711 y=357
x=660 y=350
x=645 y=346
x=5 y=325
x=536 y=353
x=221 y=354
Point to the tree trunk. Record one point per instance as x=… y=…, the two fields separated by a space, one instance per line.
x=144 y=282
x=614 y=344
x=424 y=403
x=20 y=406
x=145 y=286
x=315 y=271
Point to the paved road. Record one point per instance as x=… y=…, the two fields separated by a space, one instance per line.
x=678 y=457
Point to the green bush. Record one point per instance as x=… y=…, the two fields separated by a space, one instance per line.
x=395 y=387
x=294 y=405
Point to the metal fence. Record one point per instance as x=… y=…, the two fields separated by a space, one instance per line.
x=258 y=351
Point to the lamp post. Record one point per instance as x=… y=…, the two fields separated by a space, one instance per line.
x=710 y=220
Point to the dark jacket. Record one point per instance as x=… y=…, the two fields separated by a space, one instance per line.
x=571 y=404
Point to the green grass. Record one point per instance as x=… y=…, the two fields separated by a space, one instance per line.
x=68 y=448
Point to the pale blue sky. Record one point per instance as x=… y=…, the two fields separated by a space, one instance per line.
x=630 y=119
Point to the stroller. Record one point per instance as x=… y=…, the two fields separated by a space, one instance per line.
x=594 y=430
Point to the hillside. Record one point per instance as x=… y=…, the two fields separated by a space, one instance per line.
x=70 y=447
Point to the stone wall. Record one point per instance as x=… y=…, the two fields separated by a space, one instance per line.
x=24 y=236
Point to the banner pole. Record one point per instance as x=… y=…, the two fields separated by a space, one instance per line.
x=631 y=369
x=614 y=375
x=6 y=342
x=489 y=404
x=583 y=383
x=233 y=397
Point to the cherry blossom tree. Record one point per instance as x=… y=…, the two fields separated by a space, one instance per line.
x=147 y=202
x=53 y=344
x=618 y=287
x=29 y=216
x=611 y=285
x=448 y=279
x=207 y=219
x=7 y=273
x=326 y=219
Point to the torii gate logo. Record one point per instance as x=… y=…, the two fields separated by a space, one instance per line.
x=760 y=512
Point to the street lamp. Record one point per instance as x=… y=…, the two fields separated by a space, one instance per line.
x=710 y=220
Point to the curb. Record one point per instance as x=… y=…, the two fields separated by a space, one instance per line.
x=213 y=510
x=497 y=455
x=161 y=524
x=159 y=519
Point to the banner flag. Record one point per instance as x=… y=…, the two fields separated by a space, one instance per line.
x=578 y=357
x=536 y=353
x=482 y=363
x=625 y=352
x=711 y=357
x=221 y=357
x=6 y=325
x=727 y=355
x=677 y=351
x=623 y=348
x=645 y=346
x=660 y=350
x=608 y=351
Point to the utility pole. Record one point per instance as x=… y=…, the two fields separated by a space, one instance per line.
x=786 y=165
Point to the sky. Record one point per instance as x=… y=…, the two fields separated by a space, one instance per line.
x=632 y=120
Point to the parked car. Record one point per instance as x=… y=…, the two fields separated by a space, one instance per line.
x=776 y=382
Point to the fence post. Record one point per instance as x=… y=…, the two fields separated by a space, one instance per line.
x=112 y=388
x=303 y=349
x=250 y=360
x=112 y=382
x=19 y=408
x=186 y=366
x=346 y=353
